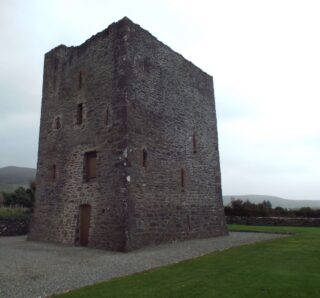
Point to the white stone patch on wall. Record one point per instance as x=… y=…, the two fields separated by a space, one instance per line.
x=125 y=153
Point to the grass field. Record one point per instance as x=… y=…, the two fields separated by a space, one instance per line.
x=285 y=267
x=14 y=213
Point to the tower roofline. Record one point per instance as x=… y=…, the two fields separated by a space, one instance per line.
x=122 y=22
x=125 y=21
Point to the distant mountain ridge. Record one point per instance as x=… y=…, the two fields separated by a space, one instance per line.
x=275 y=201
x=12 y=177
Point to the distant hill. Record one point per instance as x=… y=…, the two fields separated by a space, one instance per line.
x=275 y=201
x=13 y=177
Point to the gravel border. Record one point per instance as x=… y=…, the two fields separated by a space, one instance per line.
x=35 y=269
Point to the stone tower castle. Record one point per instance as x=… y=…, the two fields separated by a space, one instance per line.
x=128 y=149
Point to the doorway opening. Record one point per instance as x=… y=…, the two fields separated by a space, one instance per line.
x=85 y=211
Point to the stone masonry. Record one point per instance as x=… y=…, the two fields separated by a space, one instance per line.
x=149 y=116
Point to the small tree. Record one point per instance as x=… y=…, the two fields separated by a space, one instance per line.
x=20 y=197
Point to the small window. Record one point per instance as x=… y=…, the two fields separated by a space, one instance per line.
x=80 y=80
x=79 y=114
x=144 y=158
x=53 y=172
x=91 y=165
x=57 y=123
x=194 y=143
x=182 y=179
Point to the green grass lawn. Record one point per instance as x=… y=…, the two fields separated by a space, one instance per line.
x=14 y=213
x=286 y=267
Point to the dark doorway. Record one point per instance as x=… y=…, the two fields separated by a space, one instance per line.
x=85 y=211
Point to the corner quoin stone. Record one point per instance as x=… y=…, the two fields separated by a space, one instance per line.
x=148 y=116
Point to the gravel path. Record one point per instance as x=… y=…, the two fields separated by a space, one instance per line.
x=34 y=269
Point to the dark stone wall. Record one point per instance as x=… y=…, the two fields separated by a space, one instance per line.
x=56 y=216
x=274 y=221
x=152 y=98
x=14 y=226
x=171 y=107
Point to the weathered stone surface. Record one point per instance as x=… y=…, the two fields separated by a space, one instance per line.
x=274 y=221
x=137 y=96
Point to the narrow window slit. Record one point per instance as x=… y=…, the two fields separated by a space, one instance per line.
x=79 y=113
x=189 y=222
x=53 y=172
x=57 y=123
x=182 y=179
x=144 y=158
x=194 y=143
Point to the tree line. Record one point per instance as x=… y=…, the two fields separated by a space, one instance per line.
x=239 y=207
x=21 y=197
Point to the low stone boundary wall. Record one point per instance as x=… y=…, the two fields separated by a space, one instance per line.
x=14 y=226
x=274 y=221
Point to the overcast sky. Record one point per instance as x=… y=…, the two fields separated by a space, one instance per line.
x=264 y=57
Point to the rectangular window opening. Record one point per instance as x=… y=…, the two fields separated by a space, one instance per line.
x=91 y=165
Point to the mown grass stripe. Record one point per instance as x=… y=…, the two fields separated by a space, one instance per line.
x=285 y=267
